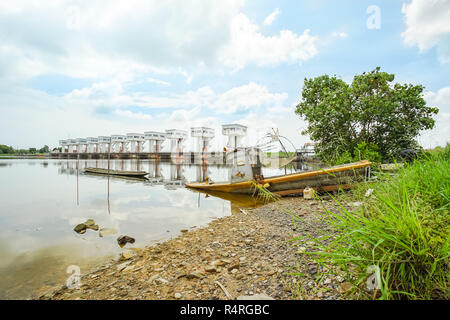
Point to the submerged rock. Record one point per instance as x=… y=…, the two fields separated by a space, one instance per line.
x=93 y=227
x=104 y=232
x=123 y=240
x=80 y=228
x=89 y=222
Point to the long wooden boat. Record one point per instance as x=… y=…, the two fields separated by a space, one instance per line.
x=116 y=172
x=328 y=179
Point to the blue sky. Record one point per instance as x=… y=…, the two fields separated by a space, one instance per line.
x=90 y=68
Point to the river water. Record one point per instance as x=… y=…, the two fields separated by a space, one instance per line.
x=42 y=200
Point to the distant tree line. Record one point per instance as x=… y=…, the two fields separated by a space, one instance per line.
x=4 y=149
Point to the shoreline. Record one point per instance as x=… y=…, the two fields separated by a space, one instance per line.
x=244 y=254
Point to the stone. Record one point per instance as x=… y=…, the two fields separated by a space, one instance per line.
x=211 y=268
x=177 y=295
x=104 y=232
x=126 y=255
x=345 y=287
x=122 y=266
x=80 y=228
x=260 y=296
x=184 y=230
x=123 y=240
x=89 y=223
x=93 y=227
x=161 y=281
x=128 y=269
x=308 y=193
x=194 y=275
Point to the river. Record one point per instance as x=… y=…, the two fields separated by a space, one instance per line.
x=42 y=200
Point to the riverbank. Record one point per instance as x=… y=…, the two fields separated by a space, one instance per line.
x=244 y=254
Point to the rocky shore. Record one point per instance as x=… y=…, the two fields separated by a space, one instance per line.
x=245 y=254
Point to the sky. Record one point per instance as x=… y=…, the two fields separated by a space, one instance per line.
x=75 y=69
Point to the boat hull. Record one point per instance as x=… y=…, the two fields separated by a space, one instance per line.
x=329 y=179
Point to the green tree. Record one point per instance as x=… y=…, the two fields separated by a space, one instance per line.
x=32 y=150
x=44 y=149
x=372 y=110
x=6 y=149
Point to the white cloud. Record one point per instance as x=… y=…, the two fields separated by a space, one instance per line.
x=237 y=99
x=157 y=81
x=248 y=45
x=91 y=39
x=247 y=97
x=271 y=17
x=133 y=115
x=440 y=135
x=427 y=25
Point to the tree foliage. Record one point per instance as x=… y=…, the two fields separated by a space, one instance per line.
x=387 y=117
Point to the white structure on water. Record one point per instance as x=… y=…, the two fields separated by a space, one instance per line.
x=155 y=140
x=118 y=143
x=64 y=146
x=135 y=142
x=104 y=144
x=235 y=133
x=92 y=144
x=81 y=145
x=177 y=139
x=72 y=143
x=203 y=137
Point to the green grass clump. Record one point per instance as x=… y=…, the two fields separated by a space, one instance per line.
x=401 y=229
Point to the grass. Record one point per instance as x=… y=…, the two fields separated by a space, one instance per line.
x=401 y=230
x=397 y=239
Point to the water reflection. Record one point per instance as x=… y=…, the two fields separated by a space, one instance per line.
x=42 y=201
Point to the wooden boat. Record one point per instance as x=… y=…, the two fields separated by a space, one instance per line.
x=328 y=179
x=135 y=174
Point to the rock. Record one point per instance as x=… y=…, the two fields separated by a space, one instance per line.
x=216 y=244
x=218 y=263
x=128 y=269
x=161 y=281
x=153 y=278
x=184 y=230
x=104 y=232
x=126 y=255
x=80 y=228
x=122 y=266
x=123 y=240
x=234 y=271
x=308 y=193
x=89 y=223
x=211 y=268
x=345 y=287
x=194 y=275
x=177 y=295
x=260 y=296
